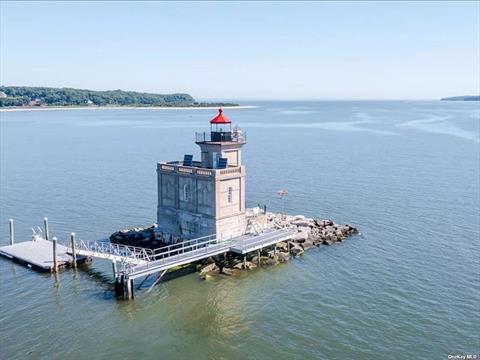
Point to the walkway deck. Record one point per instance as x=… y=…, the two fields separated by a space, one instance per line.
x=249 y=243
x=242 y=245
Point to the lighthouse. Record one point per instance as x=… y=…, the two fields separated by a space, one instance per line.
x=206 y=196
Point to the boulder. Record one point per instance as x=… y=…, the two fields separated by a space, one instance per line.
x=330 y=229
x=304 y=229
x=351 y=229
x=250 y=265
x=209 y=269
x=296 y=249
x=282 y=257
x=238 y=265
x=229 y=271
x=301 y=236
x=282 y=246
x=270 y=261
x=234 y=262
x=301 y=223
x=307 y=244
x=325 y=223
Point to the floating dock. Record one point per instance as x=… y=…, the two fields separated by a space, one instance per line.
x=37 y=254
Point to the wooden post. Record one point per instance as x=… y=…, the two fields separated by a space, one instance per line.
x=245 y=261
x=12 y=232
x=74 y=251
x=258 y=257
x=55 y=264
x=45 y=223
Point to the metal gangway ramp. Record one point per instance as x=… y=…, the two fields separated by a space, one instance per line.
x=115 y=252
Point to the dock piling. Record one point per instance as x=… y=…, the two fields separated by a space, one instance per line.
x=128 y=288
x=118 y=285
x=114 y=268
x=45 y=223
x=55 y=263
x=12 y=232
x=123 y=285
x=74 y=251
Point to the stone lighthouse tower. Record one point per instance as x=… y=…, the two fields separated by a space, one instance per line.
x=199 y=198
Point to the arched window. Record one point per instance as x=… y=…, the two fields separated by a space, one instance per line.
x=186 y=192
x=230 y=195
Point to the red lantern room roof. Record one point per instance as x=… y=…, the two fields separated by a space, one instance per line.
x=220 y=118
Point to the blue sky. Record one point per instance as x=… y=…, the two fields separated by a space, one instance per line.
x=246 y=50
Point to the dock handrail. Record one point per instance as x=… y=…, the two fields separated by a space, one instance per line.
x=126 y=252
x=265 y=238
x=176 y=256
x=186 y=245
x=135 y=254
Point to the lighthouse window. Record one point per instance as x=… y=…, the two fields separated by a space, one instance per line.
x=186 y=192
x=230 y=195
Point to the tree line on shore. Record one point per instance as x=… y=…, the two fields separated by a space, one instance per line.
x=17 y=96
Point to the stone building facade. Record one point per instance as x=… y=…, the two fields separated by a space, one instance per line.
x=200 y=198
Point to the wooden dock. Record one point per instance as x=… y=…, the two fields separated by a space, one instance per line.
x=37 y=254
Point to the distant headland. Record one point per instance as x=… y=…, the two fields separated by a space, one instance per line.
x=25 y=97
x=463 y=98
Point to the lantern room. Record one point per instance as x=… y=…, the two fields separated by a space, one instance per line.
x=221 y=131
x=221 y=127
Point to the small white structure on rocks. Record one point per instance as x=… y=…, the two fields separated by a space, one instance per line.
x=199 y=198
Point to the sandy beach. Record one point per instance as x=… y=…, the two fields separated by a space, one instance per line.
x=51 y=108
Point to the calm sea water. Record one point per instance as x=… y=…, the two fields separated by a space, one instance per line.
x=405 y=173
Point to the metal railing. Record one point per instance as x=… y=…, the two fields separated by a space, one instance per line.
x=177 y=167
x=184 y=246
x=264 y=238
x=220 y=136
x=113 y=251
x=137 y=255
x=171 y=256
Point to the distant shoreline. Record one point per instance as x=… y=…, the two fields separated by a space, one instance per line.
x=52 y=108
x=462 y=98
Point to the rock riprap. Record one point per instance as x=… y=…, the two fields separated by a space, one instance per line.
x=310 y=233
